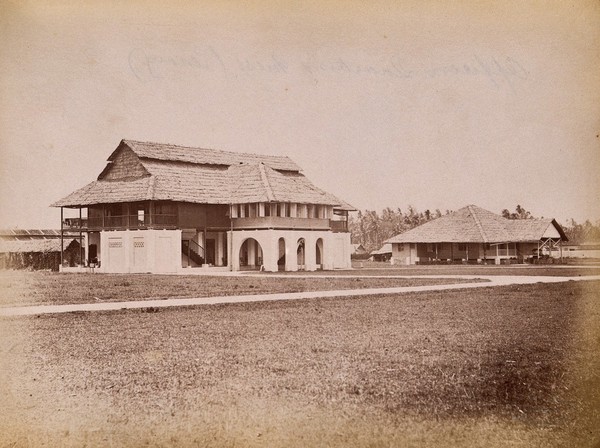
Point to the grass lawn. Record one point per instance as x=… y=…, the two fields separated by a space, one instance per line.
x=19 y=288
x=504 y=366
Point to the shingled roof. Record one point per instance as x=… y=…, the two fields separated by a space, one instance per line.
x=472 y=224
x=140 y=171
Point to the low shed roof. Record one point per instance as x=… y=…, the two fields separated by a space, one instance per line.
x=29 y=246
x=385 y=249
x=472 y=224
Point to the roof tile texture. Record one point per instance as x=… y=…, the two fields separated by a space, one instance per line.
x=472 y=224
x=140 y=171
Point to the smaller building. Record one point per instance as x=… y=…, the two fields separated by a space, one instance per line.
x=36 y=249
x=358 y=250
x=476 y=235
x=588 y=250
x=384 y=253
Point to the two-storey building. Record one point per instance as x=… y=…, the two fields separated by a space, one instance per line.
x=164 y=208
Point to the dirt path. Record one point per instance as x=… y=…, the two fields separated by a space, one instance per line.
x=112 y=306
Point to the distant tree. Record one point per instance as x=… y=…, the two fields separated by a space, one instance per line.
x=372 y=230
x=519 y=213
x=582 y=233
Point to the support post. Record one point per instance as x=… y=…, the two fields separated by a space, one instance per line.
x=230 y=261
x=204 y=245
x=61 y=239
x=81 y=263
x=560 y=248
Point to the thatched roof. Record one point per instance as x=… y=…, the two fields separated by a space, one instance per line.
x=202 y=156
x=473 y=224
x=385 y=249
x=150 y=171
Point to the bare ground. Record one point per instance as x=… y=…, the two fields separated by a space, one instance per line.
x=505 y=366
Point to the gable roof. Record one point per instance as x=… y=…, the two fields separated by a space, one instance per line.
x=472 y=224
x=176 y=173
x=202 y=156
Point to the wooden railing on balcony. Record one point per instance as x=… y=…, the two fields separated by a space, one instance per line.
x=121 y=222
x=339 y=226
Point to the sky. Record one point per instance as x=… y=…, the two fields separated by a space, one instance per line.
x=384 y=104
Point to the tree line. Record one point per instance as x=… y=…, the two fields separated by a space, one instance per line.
x=372 y=229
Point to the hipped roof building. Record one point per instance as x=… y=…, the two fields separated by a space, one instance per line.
x=209 y=197
x=475 y=234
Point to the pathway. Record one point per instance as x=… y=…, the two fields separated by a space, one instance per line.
x=500 y=280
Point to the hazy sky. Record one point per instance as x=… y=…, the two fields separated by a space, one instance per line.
x=383 y=104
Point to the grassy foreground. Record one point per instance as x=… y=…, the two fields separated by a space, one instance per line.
x=504 y=366
x=18 y=288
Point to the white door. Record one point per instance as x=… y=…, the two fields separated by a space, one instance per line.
x=139 y=254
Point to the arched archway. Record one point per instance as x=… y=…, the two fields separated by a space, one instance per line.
x=319 y=253
x=251 y=254
x=301 y=254
x=281 y=255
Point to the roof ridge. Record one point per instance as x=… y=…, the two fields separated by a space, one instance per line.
x=126 y=140
x=222 y=151
x=478 y=223
x=265 y=181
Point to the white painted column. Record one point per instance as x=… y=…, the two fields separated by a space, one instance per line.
x=218 y=248
x=291 y=257
x=310 y=253
x=251 y=252
x=234 y=242
x=269 y=242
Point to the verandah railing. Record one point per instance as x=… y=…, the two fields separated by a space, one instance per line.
x=121 y=222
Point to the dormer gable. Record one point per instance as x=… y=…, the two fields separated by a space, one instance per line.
x=123 y=164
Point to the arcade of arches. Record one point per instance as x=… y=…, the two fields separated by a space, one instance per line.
x=273 y=250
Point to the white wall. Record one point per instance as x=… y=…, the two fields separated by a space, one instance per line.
x=402 y=253
x=137 y=251
x=577 y=253
x=335 y=254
